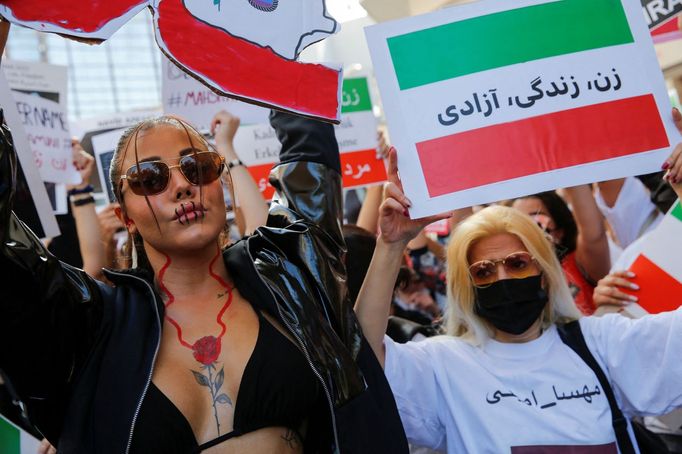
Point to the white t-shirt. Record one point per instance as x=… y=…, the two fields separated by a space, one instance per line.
x=502 y=397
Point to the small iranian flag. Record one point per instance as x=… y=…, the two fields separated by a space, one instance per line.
x=658 y=268
x=497 y=99
x=14 y=440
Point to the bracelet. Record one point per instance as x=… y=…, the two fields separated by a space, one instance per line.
x=83 y=201
x=234 y=163
x=84 y=190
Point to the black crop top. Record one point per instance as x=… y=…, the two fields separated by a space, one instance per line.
x=278 y=389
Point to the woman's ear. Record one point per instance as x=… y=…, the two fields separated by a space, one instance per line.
x=125 y=220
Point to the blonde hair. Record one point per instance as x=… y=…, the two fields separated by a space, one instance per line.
x=462 y=321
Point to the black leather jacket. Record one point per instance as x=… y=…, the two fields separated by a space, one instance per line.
x=80 y=354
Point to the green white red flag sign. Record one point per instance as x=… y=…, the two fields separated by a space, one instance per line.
x=495 y=99
x=658 y=268
x=13 y=440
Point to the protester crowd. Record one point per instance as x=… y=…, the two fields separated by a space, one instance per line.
x=158 y=325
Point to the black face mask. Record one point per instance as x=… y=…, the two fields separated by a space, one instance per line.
x=511 y=305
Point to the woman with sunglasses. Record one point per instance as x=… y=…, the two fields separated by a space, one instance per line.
x=502 y=379
x=249 y=349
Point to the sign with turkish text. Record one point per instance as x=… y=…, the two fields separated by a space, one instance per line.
x=481 y=110
x=258 y=147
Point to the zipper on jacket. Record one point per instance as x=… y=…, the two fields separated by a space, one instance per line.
x=156 y=352
x=307 y=357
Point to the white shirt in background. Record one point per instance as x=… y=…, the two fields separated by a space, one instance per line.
x=633 y=214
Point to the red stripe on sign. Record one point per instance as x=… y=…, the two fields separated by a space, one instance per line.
x=656 y=287
x=260 y=175
x=540 y=144
x=362 y=168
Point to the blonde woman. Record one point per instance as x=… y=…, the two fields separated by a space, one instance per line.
x=502 y=380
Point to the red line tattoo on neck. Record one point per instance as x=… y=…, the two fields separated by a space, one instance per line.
x=212 y=343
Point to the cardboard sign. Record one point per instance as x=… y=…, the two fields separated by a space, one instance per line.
x=658 y=269
x=182 y=95
x=481 y=110
x=242 y=49
x=258 y=147
x=47 y=131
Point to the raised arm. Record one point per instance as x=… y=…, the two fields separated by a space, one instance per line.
x=250 y=202
x=674 y=163
x=592 y=248
x=85 y=216
x=397 y=229
x=307 y=180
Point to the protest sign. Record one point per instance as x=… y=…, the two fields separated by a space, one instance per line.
x=258 y=147
x=184 y=96
x=86 y=130
x=14 y=440
x=656 y=12
x=357 y=136
x=494 y=100
x=245 y=50
x=30 y=192
x=103 y=146
x=48 y=81
x=658 y=269
x=47 y=131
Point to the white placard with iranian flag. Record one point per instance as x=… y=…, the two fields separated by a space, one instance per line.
x=47 y=130
x=658 y=268
x=495 y=99
x=183 y=95
x=258 y=147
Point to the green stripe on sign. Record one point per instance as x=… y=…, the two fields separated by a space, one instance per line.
x=677 y=211
x=9 y=438
x=506 y=38
x=355 y=95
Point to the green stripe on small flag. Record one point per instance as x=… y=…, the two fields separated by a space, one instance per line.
x=10 y=438
x=507 y=38
x=677 y=210
x=355 y=96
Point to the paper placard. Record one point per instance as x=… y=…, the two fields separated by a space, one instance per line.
x=47 y=131
x=34 y=197
x=481 y=110
x=184 y=96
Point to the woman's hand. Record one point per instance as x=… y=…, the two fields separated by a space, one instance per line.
x=224 y=127
x=674 y=163
x=84 y=163
x=394 y=219
x=608 y=290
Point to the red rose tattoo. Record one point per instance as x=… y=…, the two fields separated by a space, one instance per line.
x=206 y=350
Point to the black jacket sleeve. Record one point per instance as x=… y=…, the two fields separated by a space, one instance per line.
x=49 y=311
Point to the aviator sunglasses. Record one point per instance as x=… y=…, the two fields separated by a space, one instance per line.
x=518 y=265
x=152 y=177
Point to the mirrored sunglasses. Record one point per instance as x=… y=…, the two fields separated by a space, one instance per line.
x=152 y=177
x=517 y=265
